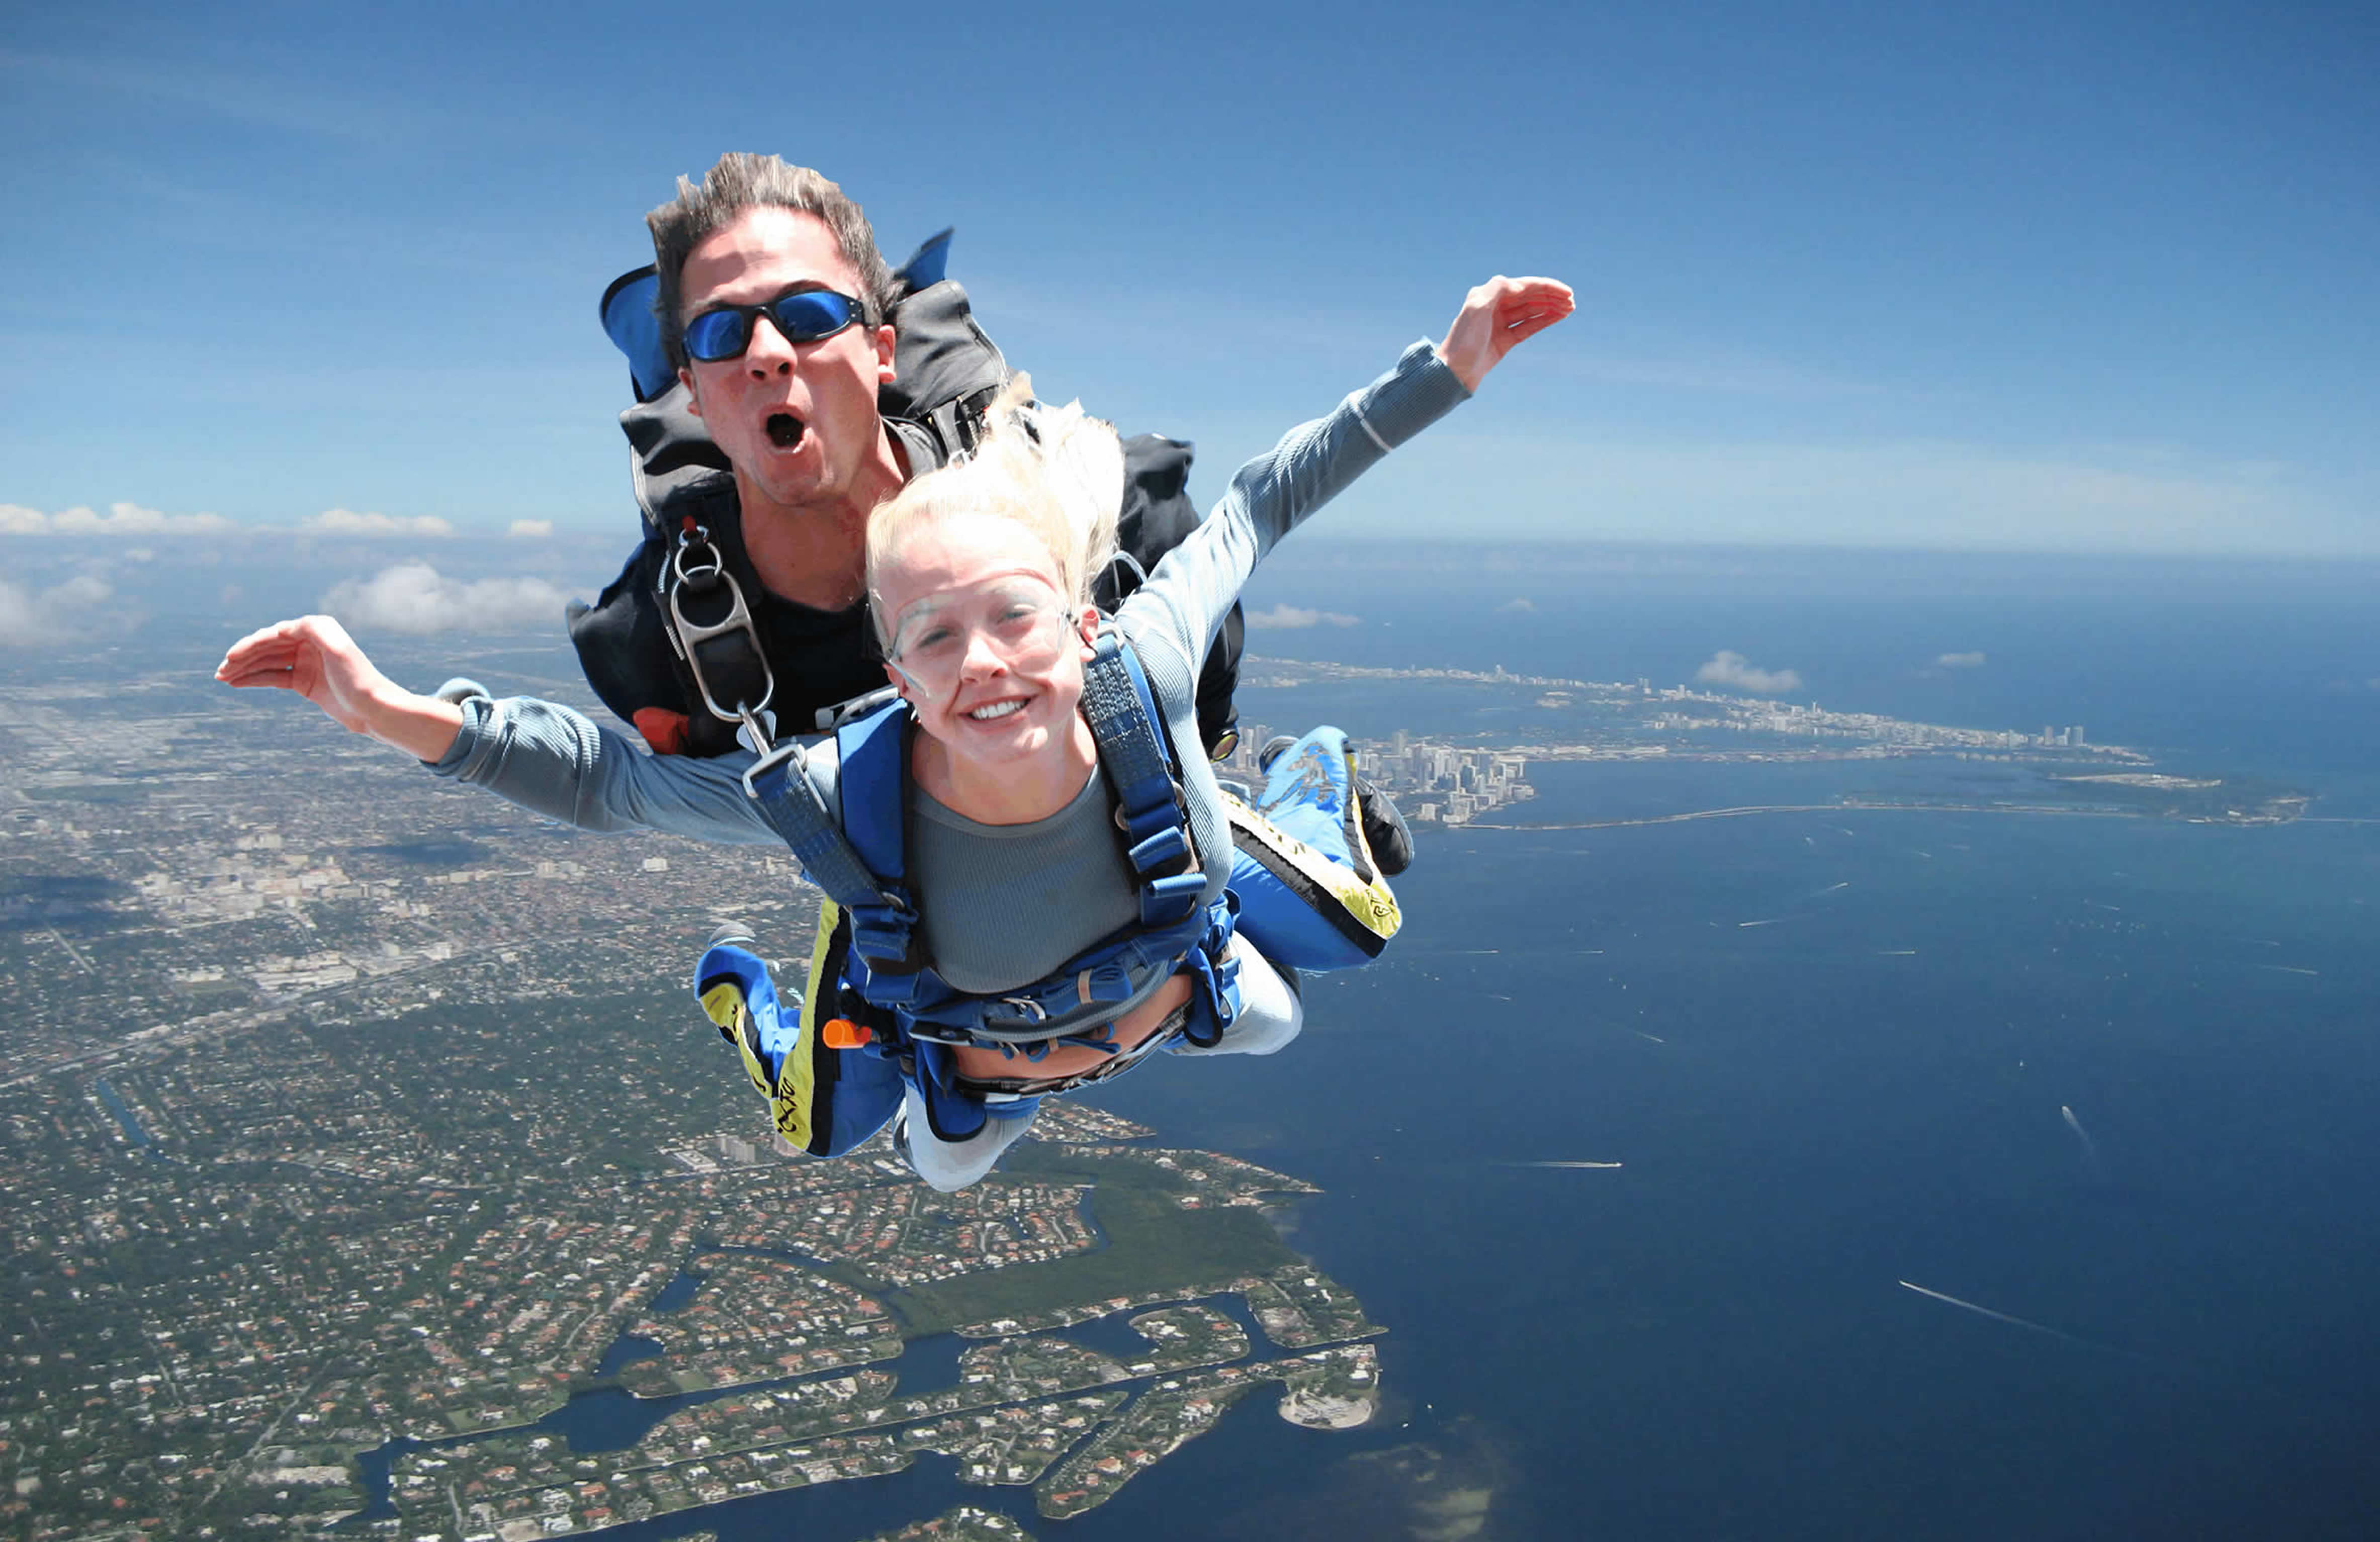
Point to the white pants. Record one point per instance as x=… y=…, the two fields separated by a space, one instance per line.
x=1270 y=1014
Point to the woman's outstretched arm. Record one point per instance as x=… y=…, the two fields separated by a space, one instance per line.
x=1193 y=587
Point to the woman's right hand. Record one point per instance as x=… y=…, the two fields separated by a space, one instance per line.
x=1499 y=316
x=315 y=656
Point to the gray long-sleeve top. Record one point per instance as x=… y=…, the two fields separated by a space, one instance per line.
x=555 y=761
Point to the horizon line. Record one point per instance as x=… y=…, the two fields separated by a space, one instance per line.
x=96 y=542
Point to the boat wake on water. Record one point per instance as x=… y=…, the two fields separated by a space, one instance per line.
x=2014 y=1321
x=1562 y=1164
x=2090 y=1148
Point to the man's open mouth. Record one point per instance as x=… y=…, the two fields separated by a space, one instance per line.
x=785 y=430
x=996 y=709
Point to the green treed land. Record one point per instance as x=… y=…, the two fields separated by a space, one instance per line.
x=1153 y=1243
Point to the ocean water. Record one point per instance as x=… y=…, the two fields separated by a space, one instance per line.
x=2114 y=1080
x=1864 y=1088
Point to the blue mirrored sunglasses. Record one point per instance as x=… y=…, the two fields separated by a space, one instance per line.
x=804 y=316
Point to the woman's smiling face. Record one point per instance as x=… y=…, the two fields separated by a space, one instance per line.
x=986 y=647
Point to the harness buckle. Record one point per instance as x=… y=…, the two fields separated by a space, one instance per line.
x=790 y=752
x=831 y=718
x=697 y=568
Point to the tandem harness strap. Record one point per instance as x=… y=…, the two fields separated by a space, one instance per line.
x=1011 y=1089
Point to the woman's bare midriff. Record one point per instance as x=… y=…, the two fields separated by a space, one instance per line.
x=1067 y=1060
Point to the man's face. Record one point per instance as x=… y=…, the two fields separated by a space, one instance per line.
x=795 y=420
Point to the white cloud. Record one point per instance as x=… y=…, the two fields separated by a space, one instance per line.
x=1960 y=660
x=1290 y=618
x=1519 y=605
x=29 y=616
x=1730 y=668
x=347 y=522
x=413 y=597
x=530 y=529
x=121 y=519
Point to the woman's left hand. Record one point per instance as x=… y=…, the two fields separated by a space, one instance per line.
x=1496 y=317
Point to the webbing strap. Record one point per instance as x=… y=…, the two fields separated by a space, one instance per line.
x=1122 y=716
x=780 y=787
x=1103 y=973
x=1215 y=998
x=872 y=781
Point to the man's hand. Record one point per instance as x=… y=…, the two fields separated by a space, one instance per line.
x=1497 y=316
x=315 y=656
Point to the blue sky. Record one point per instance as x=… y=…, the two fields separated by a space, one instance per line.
x=2016 y=277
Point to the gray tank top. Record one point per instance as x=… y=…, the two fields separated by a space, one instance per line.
x=1005 y=904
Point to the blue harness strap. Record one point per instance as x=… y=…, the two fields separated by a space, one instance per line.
x=1123 y=715
x=780 y=787
x=873 y=783
x=855 y=859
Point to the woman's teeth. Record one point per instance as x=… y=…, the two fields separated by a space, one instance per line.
x=996 y=709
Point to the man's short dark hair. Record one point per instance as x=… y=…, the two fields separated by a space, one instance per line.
x=741 y=181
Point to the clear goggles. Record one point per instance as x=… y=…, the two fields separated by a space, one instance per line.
x=1021 y=621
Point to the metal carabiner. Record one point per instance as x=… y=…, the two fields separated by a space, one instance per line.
x=698 y=568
